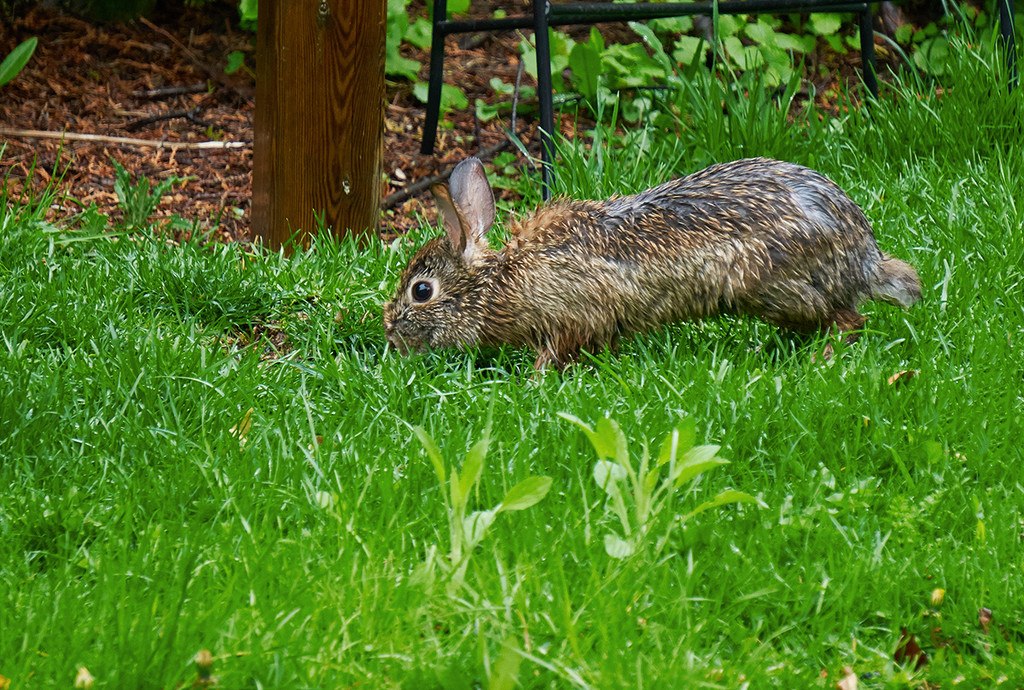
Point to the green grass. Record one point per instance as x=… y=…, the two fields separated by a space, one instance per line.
x=148 y=514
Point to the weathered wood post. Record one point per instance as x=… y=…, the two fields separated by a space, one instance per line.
x=319 y=121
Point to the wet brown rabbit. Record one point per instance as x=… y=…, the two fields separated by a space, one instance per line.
x=755 y=236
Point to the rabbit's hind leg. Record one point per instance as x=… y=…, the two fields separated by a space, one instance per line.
x=798 y=306
x=849 y=322
x=794 y=305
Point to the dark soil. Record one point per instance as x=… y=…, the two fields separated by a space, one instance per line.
x=96 y=79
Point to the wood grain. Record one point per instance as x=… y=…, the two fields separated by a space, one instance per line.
x=319 y=121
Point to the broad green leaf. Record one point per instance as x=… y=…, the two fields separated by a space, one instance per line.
x=236 y=59
x=760 y=32
x=729 y=25
x=528 y=54
x=612 y=438
x=247 y=10
x=631 y=65
x=561 y=46
x=904 y=32
x=526 y=493
x=419 y=33
x=780 y=67
x=457 y=6
x=585 y=62
x=734 y=47
x=825 y=23
x=688 y=470
x=17 y=59
x=690 y=49
x=399 y=66
x=472 y=468
x=475 y=525
x=602 y=447
x=650 y=480
x=654 y=43
x=452 y=97
x=696 y=460
x=501 y=87
x=608 y=474
x=835 y=42
x=751 y=57
x=505 y=671
x=678 y=442
x=617 y=547
x=727 y=496
x=485 y=111
x=432 y=451
x=931 y=56
x=794 y=43
x=673 y=25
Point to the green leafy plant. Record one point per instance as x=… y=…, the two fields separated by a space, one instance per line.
x=138 y=200
x=247 y=14
x=398 y=29
x=467 y=531
x=451 y=96
x=635 y=496
x=17 y=59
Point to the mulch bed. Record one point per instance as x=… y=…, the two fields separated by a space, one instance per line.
x=117 y=80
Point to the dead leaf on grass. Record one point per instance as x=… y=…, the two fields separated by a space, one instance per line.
x=909 y=652
x=901 y=377
x=985 y=618
x=241 y=430
x=84 y=679
x=849 y=679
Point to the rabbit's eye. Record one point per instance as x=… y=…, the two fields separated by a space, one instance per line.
x=422 y=291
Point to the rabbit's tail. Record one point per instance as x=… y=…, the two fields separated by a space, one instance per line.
x=895 y=281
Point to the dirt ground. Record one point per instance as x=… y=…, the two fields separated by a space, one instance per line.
x=163 y=80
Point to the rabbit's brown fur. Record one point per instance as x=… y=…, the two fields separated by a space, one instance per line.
x=754 y=236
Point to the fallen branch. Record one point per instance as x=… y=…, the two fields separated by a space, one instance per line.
x=102 y=139
x=170 y=91
x=409 y=191
x=189 y=115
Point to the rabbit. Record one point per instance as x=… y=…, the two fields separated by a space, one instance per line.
x=755 y=236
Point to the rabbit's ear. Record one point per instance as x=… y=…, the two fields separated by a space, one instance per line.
x=472 y=195
x=467 y=208
x=455 y=223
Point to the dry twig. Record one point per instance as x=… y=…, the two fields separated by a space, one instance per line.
x=102 y=139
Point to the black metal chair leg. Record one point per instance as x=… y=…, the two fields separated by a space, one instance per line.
x=436 y=78
x=1006 y=31
x=867 y=51
x=544 y=93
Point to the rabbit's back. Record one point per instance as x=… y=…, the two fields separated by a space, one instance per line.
x=756 y=236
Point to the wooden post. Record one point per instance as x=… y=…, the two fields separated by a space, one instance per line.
x=319 y=123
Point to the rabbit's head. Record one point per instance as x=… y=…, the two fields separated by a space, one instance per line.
x=439 y=293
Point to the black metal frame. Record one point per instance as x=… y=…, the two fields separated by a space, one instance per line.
x=545 y=15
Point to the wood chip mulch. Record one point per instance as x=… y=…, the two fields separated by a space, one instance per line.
x=163 y=80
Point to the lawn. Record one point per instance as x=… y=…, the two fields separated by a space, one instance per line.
x=208 y=447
